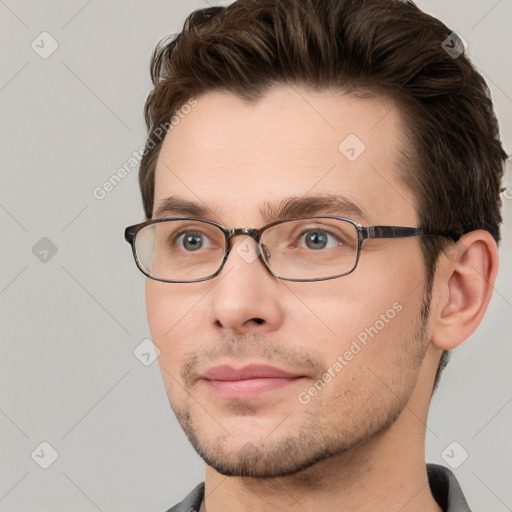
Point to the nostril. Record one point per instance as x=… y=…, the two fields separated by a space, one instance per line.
x=259 y=321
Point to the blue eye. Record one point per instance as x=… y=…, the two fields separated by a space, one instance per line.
x=319 y=239
x=190 y=240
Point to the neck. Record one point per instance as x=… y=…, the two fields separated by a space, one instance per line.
x=356 y=481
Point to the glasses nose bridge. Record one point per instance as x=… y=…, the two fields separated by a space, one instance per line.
x=254 y=233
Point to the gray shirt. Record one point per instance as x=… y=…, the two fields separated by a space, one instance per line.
x=443 y=484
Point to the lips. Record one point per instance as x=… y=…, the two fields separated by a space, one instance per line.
x=247 y=382
x=248 y=372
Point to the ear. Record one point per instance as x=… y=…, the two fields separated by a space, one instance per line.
x=463 y=286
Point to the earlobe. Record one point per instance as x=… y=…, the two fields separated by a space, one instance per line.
x=463 y=287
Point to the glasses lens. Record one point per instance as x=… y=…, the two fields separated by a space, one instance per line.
x=180 y=250
x=311 y=248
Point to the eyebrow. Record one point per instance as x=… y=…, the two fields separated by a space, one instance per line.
x=288 y=207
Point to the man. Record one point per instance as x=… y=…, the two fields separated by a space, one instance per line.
x=300 y=356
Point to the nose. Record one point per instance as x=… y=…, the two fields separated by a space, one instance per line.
x=246 y=295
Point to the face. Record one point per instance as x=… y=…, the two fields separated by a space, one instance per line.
x=267 y=376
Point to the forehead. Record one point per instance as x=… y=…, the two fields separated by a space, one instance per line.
x=234 y=157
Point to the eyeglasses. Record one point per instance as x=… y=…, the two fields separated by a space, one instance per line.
x=187 y=250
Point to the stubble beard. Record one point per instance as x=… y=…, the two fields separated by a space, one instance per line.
x=310 y=442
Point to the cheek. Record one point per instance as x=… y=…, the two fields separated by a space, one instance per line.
x=155 y=309
x=374 y=355
x=378 y=308
x=170 y=312
x=168 y=306
x=167 y=313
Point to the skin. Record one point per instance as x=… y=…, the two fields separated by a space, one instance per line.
x=359 y=443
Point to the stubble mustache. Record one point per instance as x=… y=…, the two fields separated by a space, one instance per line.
x=245 y=349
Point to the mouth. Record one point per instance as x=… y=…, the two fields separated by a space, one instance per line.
x=247 y=382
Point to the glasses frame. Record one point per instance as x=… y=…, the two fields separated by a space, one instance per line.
x=363 y=233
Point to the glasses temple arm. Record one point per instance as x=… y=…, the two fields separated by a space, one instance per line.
x=399 y=232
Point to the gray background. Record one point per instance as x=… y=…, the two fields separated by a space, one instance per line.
x=70 y=321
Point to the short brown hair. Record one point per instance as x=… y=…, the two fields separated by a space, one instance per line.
x=376 y=47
